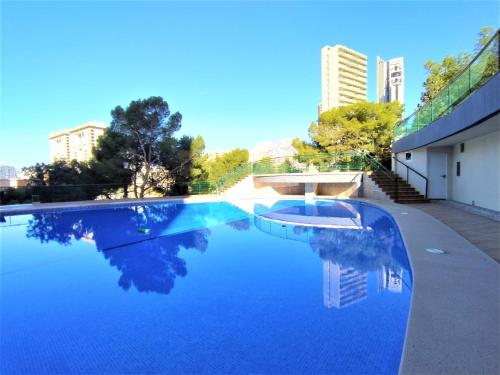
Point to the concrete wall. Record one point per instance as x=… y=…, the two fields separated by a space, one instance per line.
x=418 y=162
x=263 y=189
x=339 y=190
x=479 y=180
x=369 y=189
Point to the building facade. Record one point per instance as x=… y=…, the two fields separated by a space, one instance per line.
x=458 y=153
x=343 y=77
x=76 y=143
x=7 y=172
x=390 y=80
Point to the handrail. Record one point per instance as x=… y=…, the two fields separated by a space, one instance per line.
x=444 y=99
x=387 y=172
x=408 y=168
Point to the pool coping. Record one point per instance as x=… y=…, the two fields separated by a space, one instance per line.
x=454 y=320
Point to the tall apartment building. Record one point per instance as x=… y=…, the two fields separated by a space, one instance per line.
x=7 y=171
x=343 y=77
x=75 y=143
x=390 y=80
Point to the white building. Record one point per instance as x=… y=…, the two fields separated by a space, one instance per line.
x=343 y=77
x=76 y=143
x=390 y=80
x=456 y=156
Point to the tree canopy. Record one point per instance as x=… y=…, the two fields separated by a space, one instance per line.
x=225 y=163
x=439 y=74
x=361 y=127
x=144 y=128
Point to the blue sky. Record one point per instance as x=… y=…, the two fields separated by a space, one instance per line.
x=239 y=72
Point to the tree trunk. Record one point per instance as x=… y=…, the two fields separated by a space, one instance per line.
x=145 y=178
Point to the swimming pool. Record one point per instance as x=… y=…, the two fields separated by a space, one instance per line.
x=268 y=287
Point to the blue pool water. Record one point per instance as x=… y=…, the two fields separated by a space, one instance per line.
x=284 y=287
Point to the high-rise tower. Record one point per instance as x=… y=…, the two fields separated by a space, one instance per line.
x=343 y=77
x=390 y=80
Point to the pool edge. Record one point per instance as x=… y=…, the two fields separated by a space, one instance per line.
x=454 y=321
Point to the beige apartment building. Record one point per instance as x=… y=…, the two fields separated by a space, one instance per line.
x=75 y=143
x=343 y=77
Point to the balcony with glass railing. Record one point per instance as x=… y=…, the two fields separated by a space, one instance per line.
x=483 y=66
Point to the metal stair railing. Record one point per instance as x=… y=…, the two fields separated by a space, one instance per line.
x=374 y=163
x=408 y=169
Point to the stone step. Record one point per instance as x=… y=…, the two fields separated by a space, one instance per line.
x=406 y=196
x=384 y=179
x=410 y=201
x=393 y=186
x=392 y=183
x=400 y=189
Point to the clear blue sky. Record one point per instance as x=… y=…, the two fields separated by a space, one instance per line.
x=239 y=72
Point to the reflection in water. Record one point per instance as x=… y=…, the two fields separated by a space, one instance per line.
x=143 y=242
x=240 y=225
x=390 y=279
x=343 y=286
x=371 y=243
x=146 y=261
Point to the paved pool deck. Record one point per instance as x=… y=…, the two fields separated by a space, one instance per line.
x=454 y=322
x=479 y=230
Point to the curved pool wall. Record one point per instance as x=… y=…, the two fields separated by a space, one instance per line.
x=204 y=288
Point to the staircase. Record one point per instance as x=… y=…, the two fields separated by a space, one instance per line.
x=396 y=188
x=243 y=188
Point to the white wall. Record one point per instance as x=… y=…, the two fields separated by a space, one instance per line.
x=418 y=162
x=479 y=181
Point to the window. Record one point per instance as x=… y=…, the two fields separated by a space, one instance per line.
x=462 y=147
x=408 y=156
x=458 y=168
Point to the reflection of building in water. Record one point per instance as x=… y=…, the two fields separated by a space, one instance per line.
x=343 y=286
x=390 y=279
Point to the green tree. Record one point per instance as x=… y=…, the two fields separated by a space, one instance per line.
x=483 y=37
x=145 y=128
x=110 y=164
x=225 y=163
x=61 y=181
x=439 y=74
x=185 y=162
x=361 y=127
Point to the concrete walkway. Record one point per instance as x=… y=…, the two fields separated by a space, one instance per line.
x=454 y=322
x=480 y=231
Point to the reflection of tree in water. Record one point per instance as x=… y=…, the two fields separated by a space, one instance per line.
x=240 y=225
x=364 y=250
x=150 y=262
x=153 y=265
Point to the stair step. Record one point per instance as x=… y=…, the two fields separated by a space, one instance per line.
x=400 y=190
x=410 y=201
x=391 y=183
x=399 y=184
x=406 y=196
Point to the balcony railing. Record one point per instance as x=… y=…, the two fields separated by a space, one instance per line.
x=484 y=66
